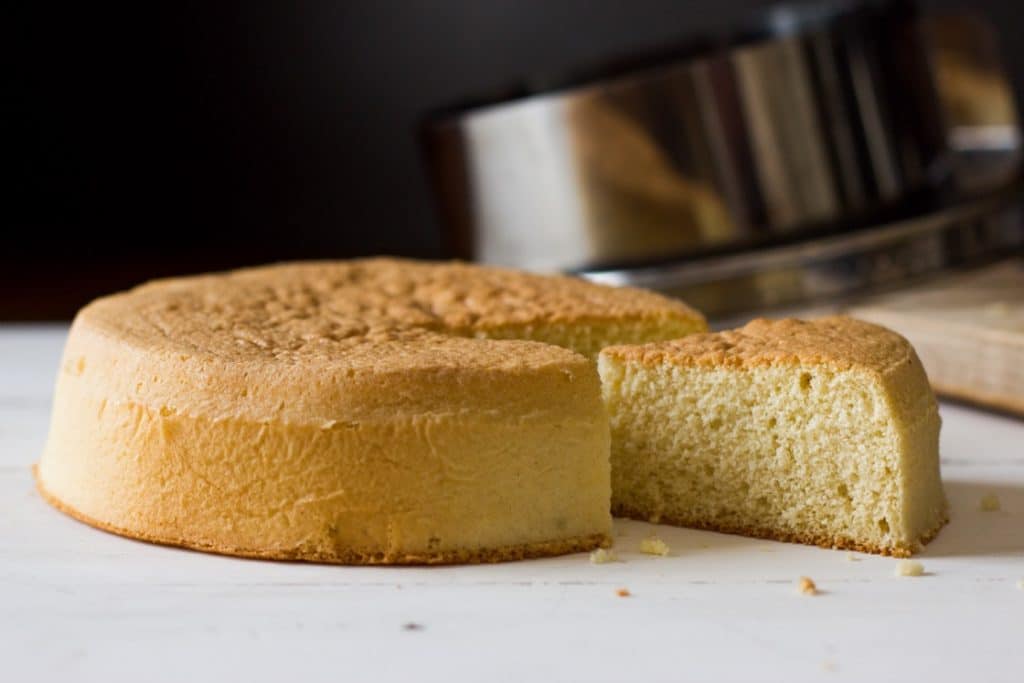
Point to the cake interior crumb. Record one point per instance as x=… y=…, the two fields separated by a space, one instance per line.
x=990 y=503
x=909 y=568
x=806 y=586
x=850 y=557
x=603 y=556
x=623 y=592
x=653 y=545
x=758 y=429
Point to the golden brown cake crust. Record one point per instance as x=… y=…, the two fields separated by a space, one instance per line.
x=839 y=341
x=350 y=556
x=348 y=311
x=832 y=542
x=371 y=330
x=370 y=411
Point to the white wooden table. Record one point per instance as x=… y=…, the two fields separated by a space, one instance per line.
x=80 y=604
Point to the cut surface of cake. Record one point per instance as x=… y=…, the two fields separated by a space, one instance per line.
x=373 y=411
x=822 y=432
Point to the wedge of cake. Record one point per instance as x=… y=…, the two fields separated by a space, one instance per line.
x=373 y=411
x=822 y=432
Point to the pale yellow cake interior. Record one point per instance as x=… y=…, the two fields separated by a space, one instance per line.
x=823 y=432
x=375 y=411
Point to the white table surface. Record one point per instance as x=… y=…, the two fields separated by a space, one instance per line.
x=80 y=604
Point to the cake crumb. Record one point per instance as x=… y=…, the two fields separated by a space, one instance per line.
x=909 y=568
x=603 y=556
x=412 y=626
x=990 y=503
x=806 y=586
x=850 y=557
x=653 y=545
x=623 y=593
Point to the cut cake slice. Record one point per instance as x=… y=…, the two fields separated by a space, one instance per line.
x=823 y=432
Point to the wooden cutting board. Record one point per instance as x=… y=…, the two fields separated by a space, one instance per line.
x=968 y=330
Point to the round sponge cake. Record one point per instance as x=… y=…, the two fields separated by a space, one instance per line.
x=375 y=411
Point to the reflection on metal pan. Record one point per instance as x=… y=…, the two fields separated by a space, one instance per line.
x=840 y=265
x=820 y=116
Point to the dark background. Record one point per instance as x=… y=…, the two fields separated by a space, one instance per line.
x=175 y=138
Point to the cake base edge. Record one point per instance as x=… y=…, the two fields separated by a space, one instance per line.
x=830 y=542
x=506 y=553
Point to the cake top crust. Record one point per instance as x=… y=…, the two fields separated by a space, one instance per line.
x=370 y=312
x=839 y=341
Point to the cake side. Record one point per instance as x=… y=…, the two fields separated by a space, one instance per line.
x=777 y=431
x=347 y=555
x=916 y=421
x=440 y=462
